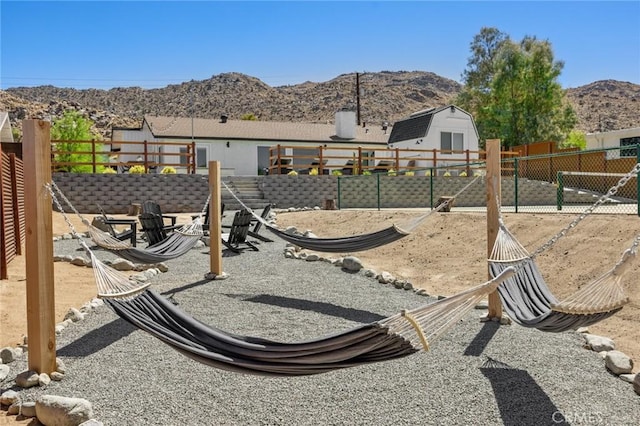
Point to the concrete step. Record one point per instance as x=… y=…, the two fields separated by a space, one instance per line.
x=247 y=189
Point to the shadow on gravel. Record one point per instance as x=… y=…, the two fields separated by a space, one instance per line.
x=356 y=315
x=98 y=339
x=520 y=399
x=482 y=339
x=173 y=291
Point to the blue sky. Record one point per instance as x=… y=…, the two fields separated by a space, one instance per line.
x=91 y=44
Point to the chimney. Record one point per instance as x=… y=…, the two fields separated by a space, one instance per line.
x=346 y=124
x=223 y=118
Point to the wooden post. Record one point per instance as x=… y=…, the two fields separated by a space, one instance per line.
x=193 y=158
x=215 y=225
x=93 y=156
x=39 y=246
x=493 y=190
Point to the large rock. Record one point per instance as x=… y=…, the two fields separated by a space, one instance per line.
x=618 y=362
x=7 y=355
x=351 y=264
x=636 y=384
x=599 y=343
x=4 y=372
x=28 y=379
x=53 y=410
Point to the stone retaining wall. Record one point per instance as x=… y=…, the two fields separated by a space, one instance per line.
x=176 y=193
x=181 y=193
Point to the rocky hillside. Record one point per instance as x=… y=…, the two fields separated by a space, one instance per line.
x=384 y=96
x=606 y=105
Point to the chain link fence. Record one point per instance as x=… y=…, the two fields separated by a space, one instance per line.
x=562 y=182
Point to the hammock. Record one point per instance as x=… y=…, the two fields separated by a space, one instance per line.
x=342 y=244
x=526 y=297
x=175 y=245
x=354 y=243
x=391 y=338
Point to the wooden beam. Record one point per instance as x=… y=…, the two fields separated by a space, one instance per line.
x=215 y=225
x=493 y=190
x=39 y=246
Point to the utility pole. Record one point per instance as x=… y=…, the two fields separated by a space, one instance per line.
x=358 y=97
x=192 y=112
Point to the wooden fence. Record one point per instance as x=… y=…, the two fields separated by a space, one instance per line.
x=358 y=160
x=69 y=154
x=12 y=217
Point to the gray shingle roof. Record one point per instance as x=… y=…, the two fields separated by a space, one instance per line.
x=416 y=126
x=258 y=130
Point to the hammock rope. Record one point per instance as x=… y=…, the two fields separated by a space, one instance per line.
x=110 y=283
x=353 y=243
x=526 y=296
x=175 y=245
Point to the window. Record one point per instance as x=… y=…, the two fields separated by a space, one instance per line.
x=201 y=156
x=450 y=141
x=367 y=158
x=184 y=160
x=632 y=142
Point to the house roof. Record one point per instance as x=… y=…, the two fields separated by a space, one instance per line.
x=177 y=127
x=5 y=127
x=416 y=126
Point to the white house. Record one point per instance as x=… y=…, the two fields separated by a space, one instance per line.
x=448 y=129
x=615 y=139
x=242 y=146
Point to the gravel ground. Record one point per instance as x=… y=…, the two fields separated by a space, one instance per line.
x=477 y=373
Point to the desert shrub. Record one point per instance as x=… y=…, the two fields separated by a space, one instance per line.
x=292 y=173
x=108 y=170
x=409 y=173
x=168 y=171
x=137 y=170
x=336 y=172
x=313 y=172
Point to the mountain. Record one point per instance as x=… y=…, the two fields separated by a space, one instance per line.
x=606 y=105
x=384 y=96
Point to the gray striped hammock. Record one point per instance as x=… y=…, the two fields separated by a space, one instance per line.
x=179 y=242
x=528 y=301
x=354 y=243
x=392 y=338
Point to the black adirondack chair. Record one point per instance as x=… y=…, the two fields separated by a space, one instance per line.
x=109 y=222
x=154 y=228
x=236 y=239
x=153 y=207
x=257 y=225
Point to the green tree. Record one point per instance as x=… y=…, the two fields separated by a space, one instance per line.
x=72 y=128
x=512 y=90
x=576 y=139
x=17 y=134
x=475 y=96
